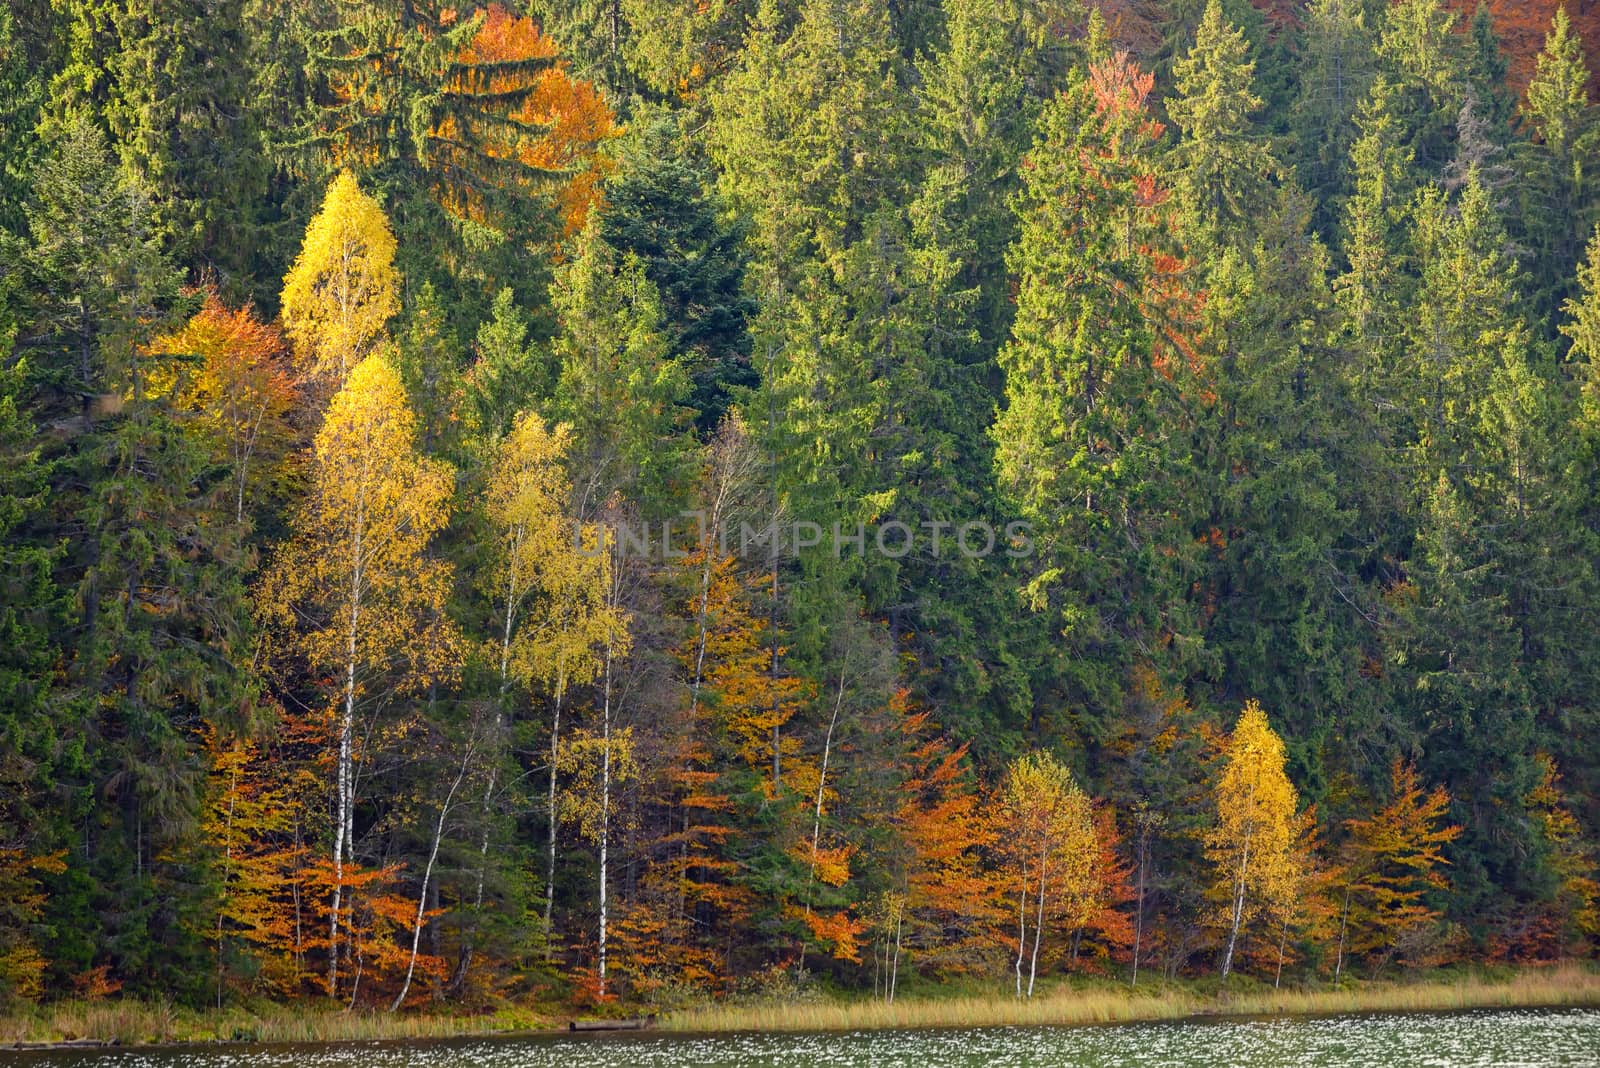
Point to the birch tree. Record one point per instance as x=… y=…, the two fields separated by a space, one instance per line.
x=353 y=594
x=342 y=290
x=552 y=576
x=1048 y=826
x=1252 y=844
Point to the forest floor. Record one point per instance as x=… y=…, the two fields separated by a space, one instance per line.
x=133 y=1022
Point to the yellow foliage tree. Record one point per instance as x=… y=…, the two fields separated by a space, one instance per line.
x=353 y=593
x=1252 y=844
x=1047 y=825
x=552 y=577
x=342 y=289
x=1572 y=919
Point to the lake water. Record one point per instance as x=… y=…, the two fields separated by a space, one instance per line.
x=1509 y=1039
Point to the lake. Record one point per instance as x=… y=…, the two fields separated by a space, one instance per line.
x=1503 y=1039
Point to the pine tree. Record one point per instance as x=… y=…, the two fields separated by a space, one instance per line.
x=1423 y=61
x=1336 y=71
x=662 y=208
x=1283 y=424
x=151 y=553
x=162 y=79
x=1556 y=190
x=618 y=387
x=507 y=376
x=1222 y=170
x=1088 y=443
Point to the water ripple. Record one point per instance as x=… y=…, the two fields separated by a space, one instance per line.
x=1497 y=1039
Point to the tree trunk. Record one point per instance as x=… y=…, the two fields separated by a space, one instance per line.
x=1138 y=914
x=1022 y=925
x=822 y=779
x=1238 y=909
x=1038 y=923
x=1344 y=921
x=605 y=813
x=1283 y=939
x=346 y=817
x=894 y=969
x=427 y=877
x=550 y=855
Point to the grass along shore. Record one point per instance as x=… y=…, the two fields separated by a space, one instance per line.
x=1567 y=985
x=131 y=1022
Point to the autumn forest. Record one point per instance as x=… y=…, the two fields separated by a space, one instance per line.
x=345 y=347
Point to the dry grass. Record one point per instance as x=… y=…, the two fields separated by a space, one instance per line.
x=1544 y=988
x=130 y=1022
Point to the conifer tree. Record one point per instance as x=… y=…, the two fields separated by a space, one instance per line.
x=1390 y=867
x=1222 y=170
x=1096 y=370
x=618 y=387
x=1556 y=189
x=1336 y=70
x=150 y=551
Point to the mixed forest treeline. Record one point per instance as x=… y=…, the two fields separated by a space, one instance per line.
x=338 y=343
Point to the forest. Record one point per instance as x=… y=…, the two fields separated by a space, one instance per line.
x=345 y=348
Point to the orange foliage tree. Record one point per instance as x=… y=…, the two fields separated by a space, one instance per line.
x=22 y=901
x=1570 y=921
x=574 y=117
x=952 y=911
x=1391 y=864
x=476 y=107
x=241 y=390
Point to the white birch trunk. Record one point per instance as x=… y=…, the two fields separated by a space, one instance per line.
x=1238 y=908
x=427 y=878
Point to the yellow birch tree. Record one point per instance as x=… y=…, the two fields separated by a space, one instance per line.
x=552 y=578
x=341 y=291
x=1048 y=826
x=353 y=593
x=1252 y=844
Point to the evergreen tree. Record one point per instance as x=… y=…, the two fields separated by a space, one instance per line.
x=1336 y=70
x=162 y=79
x=1555 y=189
x=619 y=387
x=154 y=559
x=1223 y=172
x=1423 y=61
x=662 y=209
x=1091 y=441
x=508 y=375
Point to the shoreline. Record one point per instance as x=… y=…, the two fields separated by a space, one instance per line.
x=1564 y=986
x=124 y=1024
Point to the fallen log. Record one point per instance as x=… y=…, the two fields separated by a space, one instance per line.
x=641 y=1023
x=63 y=1043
